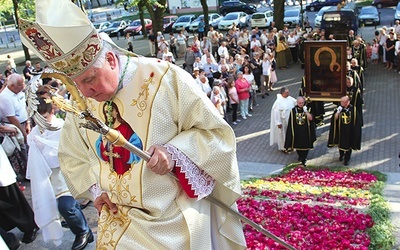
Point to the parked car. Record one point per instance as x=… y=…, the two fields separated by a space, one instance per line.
x=318 y=16
x=183 y=22
x=168 y=21
x=369 y=15
x=212 y=19
x=101 y=26
x=116 y=28
x=397 y=13
x=262 y=19
x=135 y=27
x=215 y=22
x=293 y=17
x=318 y=4
x=384 y=3
x=239 y=18
x=236 y=6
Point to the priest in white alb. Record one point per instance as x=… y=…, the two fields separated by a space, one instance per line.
x=280 y=117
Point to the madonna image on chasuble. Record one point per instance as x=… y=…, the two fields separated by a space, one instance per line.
x=118 y=157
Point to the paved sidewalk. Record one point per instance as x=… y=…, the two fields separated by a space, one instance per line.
x=380 y=142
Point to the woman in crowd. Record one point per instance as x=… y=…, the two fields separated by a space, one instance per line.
x=248 y=75
x=389 y=48
x=281 y=54
x=233 y=99
x=266 y=72
x=243 y=88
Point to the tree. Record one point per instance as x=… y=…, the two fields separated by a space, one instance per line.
x=141 y=16
x=16 y=16
x=205 y=12
x=156 y=10
x=279 y=8
x=19 y=9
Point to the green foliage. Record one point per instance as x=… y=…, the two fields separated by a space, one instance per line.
x=26 y=8
x=382 y=233
x=364 y=3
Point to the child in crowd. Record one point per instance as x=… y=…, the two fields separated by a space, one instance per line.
x=272 y=78
x=233 y=99
x=368 y=52
x=375 y=51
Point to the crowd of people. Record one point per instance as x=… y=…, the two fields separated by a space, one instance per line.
x=232 y=70
x=34 y=160
x=236 y=68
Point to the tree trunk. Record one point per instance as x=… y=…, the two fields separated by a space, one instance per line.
x=279 y=8
x=26 y=51
x=205 y=12
x=156 y=13
x=141 y=16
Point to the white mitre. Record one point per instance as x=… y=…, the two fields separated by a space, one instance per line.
x=62 y=36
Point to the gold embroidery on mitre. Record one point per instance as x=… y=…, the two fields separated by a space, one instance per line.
x=111 y=227
x=141 y=101
x=40 y=40
x=82 y=58
x=72 y=62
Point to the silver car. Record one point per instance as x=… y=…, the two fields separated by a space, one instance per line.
x=213 y=20
x=183 y=22
x=293 y=17
x=239 y=18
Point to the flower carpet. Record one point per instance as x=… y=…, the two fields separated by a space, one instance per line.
x=316 y=208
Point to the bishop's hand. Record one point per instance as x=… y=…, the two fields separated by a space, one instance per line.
x=161 y=161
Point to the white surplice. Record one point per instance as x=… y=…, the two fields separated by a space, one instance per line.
x=280 y=116
x=42 y=166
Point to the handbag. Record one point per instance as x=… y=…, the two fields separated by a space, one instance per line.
x=19 y=136
x=9 y=145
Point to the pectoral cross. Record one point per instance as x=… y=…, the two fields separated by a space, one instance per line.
x=111 y=155
x=345 y=118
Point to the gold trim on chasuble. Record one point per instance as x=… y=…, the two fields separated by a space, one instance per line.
x=125 y=190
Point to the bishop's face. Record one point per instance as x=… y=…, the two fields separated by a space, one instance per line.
x=100 y=83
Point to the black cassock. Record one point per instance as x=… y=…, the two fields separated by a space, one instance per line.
x=300 y=133
x=354 y=94
x=345 y=132
x=316 y=108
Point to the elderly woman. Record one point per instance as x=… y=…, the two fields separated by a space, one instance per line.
x=243 y=89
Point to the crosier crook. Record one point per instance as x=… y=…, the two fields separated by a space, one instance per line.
x=115 y=138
